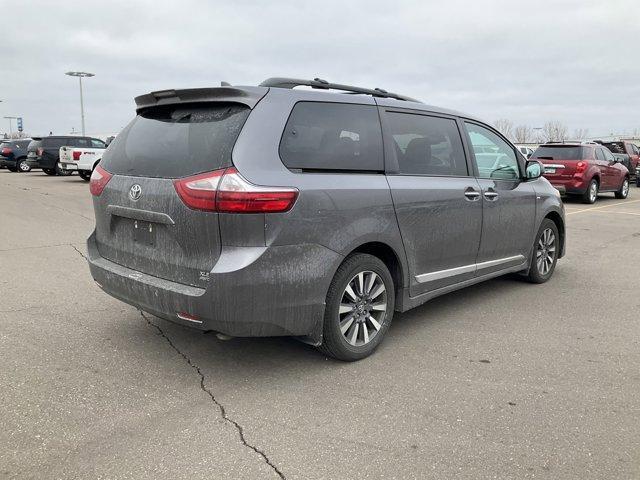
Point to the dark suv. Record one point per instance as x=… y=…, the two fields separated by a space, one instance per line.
x=44 y=152
x=13 y=155
x=269 y=210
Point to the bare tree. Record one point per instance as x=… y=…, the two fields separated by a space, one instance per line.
x=523 y=134
x=581 y=133
x=505 y=127
x=554 y=131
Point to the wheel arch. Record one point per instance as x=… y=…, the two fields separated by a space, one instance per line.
x=389 y=257
x=556 y=218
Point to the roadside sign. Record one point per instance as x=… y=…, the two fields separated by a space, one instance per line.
x=19 y=124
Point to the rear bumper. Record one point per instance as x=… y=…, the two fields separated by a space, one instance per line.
x=69 y=166
x=569 y=185
x=7 y=162
x=280 y=291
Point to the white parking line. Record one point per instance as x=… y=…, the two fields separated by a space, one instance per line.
x=603 y=206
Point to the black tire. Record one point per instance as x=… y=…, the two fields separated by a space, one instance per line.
x=335 y=343
x=85 y=175
x=623 y=191
x=61 y=172
x=49 y=171
x=587 y=196
x=537 y=274
x=638 y=181
x=23 y=166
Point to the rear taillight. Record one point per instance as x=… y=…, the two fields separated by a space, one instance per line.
x=226 y=191
x=581 y=166
x=99 y=179
x=76 y=155
x=39 y=151
x=6 y=151
x=199 y=192
x=237 y=195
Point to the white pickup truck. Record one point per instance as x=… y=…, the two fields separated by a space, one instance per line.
x=82 y=159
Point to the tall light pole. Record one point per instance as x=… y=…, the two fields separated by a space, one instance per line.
x=11 y=125
x=80 y=75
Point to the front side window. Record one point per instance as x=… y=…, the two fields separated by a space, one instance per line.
x=608 y=156
x=332 y=136
x=97 y=143
x=495 y=158
x=426 y=145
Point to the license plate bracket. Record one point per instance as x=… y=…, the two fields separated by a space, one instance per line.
x=144 y=233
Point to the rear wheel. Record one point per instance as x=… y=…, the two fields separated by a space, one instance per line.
x=591 y=194
x=49 y=171
x=85 y=175
x=60 y=171
x=23 y=166
x=359 y=308
x=545 y=252
x=624 y=189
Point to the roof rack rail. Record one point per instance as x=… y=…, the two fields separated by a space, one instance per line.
x=319 y=83
x=581 y=142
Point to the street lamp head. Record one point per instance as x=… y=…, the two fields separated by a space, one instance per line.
x=80 y=74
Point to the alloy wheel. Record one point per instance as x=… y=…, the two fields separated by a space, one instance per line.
x=625 y=188
x=546 y=251
x=593 y=191
x=363 y=308
x=23 y=166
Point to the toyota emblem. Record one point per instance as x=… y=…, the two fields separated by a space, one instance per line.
x=135 y=192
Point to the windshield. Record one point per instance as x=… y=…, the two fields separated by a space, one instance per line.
x=559 y=152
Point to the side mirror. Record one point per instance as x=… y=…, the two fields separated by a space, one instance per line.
x=534 y=170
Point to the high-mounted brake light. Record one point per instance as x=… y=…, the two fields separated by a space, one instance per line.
x=76 y=155
x=226 y=191
x=99 y=179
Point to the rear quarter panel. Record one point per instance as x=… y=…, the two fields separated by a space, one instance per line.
x=339 y=211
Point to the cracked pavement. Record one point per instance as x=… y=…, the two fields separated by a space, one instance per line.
x=501 y=380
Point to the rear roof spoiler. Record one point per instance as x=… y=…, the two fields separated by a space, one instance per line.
x=248 y=96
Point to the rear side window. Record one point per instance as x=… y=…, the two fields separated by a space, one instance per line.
x=332 y=136
x=600 y=154
x=177 y=141
x=559 y=152
x=427 y=145
x=54 y=143
x=97 y=143
x=34 y=144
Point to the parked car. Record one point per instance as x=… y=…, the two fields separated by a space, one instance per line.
x=44 y=152
x=269 y=210
x=625 y=148
x=83 y=160
x=583 y=169
x=13 y=155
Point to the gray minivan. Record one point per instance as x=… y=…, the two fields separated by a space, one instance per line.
x=314 y=213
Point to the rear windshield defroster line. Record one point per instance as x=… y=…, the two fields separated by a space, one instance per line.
x=177 y=141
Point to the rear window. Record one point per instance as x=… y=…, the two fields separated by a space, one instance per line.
x=615 y=147
x=52 y=143
x=177 y=141
x=559 y=152
x=332 y=136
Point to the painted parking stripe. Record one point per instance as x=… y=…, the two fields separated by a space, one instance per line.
x=603 y=206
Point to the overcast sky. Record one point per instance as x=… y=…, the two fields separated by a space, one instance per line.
x=573 y=61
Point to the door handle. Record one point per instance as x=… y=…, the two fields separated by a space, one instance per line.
x=471 y=194
x=490 y=195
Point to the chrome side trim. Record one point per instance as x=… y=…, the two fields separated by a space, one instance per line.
x=452 y=272
x=551 y=165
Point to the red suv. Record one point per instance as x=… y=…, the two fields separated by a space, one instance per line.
x=583 y=169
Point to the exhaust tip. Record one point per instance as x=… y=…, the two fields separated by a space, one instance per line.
x=223 y=337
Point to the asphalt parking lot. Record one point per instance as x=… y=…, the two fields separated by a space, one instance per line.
x=501 y=380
